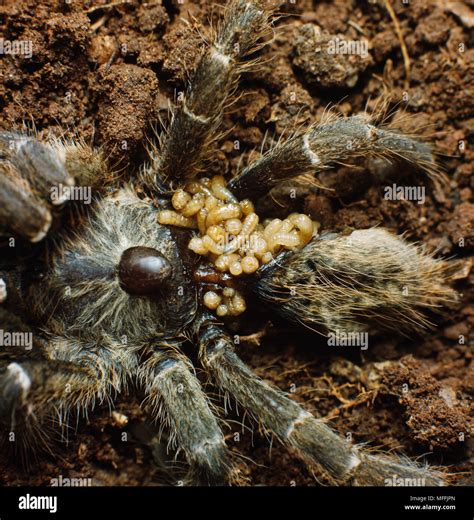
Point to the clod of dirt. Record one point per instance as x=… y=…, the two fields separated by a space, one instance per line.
x=434 y=413
x=434 y=29
x=319 y=208
x=293 y=108
x=152 y=17
x=182 y=46
x=276 y=74
x=461 y=226
x=255 y=102
x=329 y=60
x=126 y=101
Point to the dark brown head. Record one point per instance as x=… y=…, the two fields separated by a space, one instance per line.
x=143 y=271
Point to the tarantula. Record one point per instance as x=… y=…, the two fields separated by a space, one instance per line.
x=117 y=299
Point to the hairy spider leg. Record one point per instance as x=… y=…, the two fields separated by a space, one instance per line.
x=175 y=398
x=195 y=121
x=324 y=144
x=314 y=440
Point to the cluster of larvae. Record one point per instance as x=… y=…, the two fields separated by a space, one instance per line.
x=231 y=235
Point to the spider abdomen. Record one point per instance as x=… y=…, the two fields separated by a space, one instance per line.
x=369 y=279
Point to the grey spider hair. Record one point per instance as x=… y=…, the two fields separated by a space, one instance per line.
x=115 y=301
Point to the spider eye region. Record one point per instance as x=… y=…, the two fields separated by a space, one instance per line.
x=143 y=270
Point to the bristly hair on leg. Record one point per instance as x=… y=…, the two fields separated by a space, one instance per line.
x=387 y=113
x=315 y=441
x=175 y=398
x=88 y=166
x=331 y=141
x=195 y=122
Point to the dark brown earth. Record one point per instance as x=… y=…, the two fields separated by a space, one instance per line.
x=105 y=72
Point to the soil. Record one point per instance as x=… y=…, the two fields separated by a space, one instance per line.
x=105 y=72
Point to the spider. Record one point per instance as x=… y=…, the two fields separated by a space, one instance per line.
x=149 y=272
